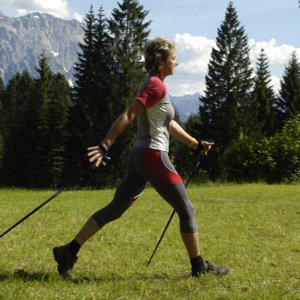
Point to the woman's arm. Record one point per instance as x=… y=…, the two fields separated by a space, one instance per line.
x=181 y=135
x=95 y=153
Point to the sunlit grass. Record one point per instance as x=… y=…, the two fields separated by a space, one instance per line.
x=254 y=229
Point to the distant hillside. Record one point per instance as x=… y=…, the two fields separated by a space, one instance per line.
x=186 y=105
x=23 y=39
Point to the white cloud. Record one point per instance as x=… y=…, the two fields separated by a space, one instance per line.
x=58 y=8
x=277 y=54
x=21 y=11
x=78 y=17
x=193 y=54
x=278 y=57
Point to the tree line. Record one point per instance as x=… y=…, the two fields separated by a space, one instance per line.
x=46 y=125
x=257 y=132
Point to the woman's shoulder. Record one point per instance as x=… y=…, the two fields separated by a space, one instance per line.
x=153 y=83
x=156 y=83
x=151 y=91
x=156 y=80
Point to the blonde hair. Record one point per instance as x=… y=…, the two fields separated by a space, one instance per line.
x=156 y=50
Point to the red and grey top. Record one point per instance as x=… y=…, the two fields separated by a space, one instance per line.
x=153 y=124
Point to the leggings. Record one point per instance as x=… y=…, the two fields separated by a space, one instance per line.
x=153 y=166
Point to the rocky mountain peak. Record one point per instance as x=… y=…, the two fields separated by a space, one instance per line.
x=24 y=39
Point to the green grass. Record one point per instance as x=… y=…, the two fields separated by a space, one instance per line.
x=252 y=228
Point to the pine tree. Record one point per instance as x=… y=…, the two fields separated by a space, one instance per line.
x=105 y=84
x=228 y=83
x=108 y=67
x=95 y=106
x=130 y=32
x=39 y=155
x=84 y=69
x=94 y=77
x=82 y=113
x=55 y=117
x=263 y=100
x=17 y=119
x=288 y=102
x=224 y=108
x=52 y=103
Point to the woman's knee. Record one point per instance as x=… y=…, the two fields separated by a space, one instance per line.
x=187 y=219
x=108 y=214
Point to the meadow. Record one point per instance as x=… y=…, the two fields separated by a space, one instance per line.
x=252 y=228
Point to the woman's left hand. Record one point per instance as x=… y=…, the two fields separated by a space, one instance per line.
x=205 y=146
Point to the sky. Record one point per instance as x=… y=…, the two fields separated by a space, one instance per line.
x=273 y=25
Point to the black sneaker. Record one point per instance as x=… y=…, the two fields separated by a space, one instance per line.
x=207 y=267
x=65 y=260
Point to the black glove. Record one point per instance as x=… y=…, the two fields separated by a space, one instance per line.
x=104 y=150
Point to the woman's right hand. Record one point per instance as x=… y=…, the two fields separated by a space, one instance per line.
x=96 y=156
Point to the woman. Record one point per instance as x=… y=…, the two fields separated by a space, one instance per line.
x=148 y=161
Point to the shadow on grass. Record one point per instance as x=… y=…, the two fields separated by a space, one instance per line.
x=45 y=277
x=26 y=276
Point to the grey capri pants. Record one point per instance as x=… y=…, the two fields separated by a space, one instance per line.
x=153 y=166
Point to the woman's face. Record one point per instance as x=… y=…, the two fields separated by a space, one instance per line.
x=168 y=66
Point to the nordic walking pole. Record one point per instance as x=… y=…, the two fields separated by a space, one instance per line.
x=68 y=185
x=65 y=187
x=194 y=172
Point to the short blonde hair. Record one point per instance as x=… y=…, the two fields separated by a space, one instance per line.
x=156 y=50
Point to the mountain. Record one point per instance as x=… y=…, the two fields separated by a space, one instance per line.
x=23 y=39
x=186 y=105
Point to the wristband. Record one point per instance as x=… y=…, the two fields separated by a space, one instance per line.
x=104 y=148
x=192 y=143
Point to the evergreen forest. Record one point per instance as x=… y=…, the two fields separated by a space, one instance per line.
x=46 y=124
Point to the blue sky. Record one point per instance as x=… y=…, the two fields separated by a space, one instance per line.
x=270 y=24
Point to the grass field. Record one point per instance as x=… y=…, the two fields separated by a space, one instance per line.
x=252 y=228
